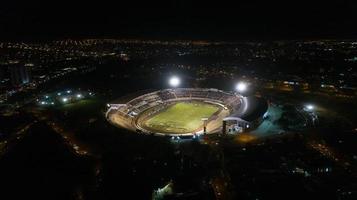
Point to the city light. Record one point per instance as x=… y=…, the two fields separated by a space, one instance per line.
x=241 y=87
x=174 y=81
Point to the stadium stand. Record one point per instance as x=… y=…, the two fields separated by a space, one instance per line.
x=127 y=115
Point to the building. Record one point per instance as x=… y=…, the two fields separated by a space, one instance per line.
x=19 y=74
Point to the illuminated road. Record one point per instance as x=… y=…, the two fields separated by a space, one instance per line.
x=219 y=186
x=14 y=138
x=68 y=137
x=75 y=146
x=70 y=141
x=328 y=153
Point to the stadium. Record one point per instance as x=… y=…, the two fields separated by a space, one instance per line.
x=187 y=112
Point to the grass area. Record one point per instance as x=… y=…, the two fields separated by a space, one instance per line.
x=181 y=117
x=79 y=112
x=81 y=105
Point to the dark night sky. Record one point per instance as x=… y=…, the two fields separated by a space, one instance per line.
x=178 y=19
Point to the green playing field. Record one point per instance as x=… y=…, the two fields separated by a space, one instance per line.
x=182 y=117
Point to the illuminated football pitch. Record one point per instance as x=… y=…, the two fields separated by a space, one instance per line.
x=181 y=117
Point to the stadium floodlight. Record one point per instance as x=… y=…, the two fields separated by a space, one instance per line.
x=310 y=107
x=241 y=87
x=65 y=100
x=174 y=81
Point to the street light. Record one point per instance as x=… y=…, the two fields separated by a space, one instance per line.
x=174 y=81
x=241 y=87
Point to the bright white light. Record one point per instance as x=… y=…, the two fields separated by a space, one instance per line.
x=241 y=87
x=65 y=100
x=79 y=96
x=310 y=107
x=174 y=81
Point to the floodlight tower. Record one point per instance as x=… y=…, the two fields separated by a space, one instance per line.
x=241 y=87
x=174 y=81
x=204 y=125
x=310 y=107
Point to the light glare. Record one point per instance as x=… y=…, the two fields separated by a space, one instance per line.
x=174 y=81
x=310 y=107
x=241 y=87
